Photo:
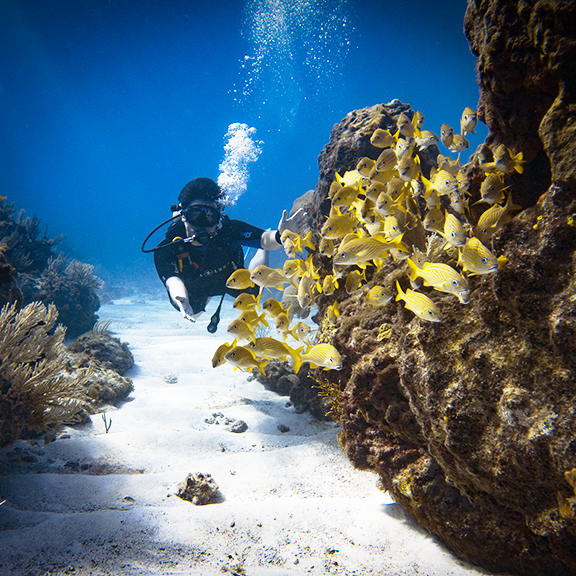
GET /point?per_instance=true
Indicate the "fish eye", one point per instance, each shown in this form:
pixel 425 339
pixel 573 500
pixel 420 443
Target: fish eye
pixel 455 282
pixel 453 234
pixel 342 254
pixel 484 260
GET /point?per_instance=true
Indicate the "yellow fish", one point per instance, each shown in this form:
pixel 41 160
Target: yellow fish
pixel 365 165
pixel 504 161
pixel 428 138
pixel 326 247
pixel 334 187
pixel 241 330
pixel 403 148
pixel 386 206
pixel 386 161
pixel 242 358
pixel 458 202
pixel 268 277
pixel 354 280
pixel 218 358
pixel 240 279
pixel 441 277
pixel 333 312
pixel 392 230
pixel 329 284
pixel 420 304
pixel 405 126
pixel 446 135
pixel 345 196
pixel 350 178
pixel 445 183
pixel 273 308
pixel 418 120
pixel 468 121
pixel 294 239
pixel 459 143
pixel 493 219
pixel 374 190
pixel 360 251
pixel 282 324
pixel 382 138
pixel 320 356
pixel 301 332
pixel 434 220
pixel 408 168
pixel 306 291
pixel 475 258
pixel 271 349
pixel 292 269
pixel 246 301
pixel 463 182
pixel 252 318
pixel 454 232
pixel 492 189
pixel 338 226
pixel 379 296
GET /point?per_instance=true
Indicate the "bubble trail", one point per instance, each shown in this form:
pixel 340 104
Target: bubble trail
pixel 239 151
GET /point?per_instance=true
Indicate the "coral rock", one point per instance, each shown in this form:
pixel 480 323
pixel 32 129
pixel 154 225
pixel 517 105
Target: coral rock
pixel 198 488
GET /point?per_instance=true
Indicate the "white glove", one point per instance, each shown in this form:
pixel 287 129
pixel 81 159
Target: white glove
pixel 294 223
pixel 185 309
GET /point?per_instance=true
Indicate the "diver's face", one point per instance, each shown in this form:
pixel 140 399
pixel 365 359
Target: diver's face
pixel 199 216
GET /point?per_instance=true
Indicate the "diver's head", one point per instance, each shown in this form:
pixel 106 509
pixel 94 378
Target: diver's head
pixel 201 209
pixel 201 189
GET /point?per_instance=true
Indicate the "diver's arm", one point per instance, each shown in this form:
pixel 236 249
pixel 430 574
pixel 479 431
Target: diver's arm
pixel 268 240
pixel 179 295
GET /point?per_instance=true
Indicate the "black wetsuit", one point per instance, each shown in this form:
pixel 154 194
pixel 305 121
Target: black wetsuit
pixel 205 269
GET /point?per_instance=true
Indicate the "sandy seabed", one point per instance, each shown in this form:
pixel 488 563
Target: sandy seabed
pixel 289 502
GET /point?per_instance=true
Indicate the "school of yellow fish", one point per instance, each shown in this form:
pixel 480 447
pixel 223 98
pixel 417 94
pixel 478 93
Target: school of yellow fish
pixel 383 209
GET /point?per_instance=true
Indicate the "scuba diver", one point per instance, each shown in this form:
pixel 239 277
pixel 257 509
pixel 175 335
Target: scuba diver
pixel 203 247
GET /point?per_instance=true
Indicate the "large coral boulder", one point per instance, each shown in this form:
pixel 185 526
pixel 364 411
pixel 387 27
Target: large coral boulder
pixel 471 423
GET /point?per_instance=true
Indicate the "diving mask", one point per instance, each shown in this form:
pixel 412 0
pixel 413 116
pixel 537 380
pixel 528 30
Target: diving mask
pixel 202 215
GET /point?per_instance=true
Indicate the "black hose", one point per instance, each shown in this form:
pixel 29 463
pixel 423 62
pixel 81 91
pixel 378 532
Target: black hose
pixel 213 326
pixel 157 228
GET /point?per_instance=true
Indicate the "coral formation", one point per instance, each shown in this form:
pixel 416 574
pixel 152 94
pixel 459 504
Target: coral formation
pixel 470 423
pixel 72 287
pixel 109 358
pixel 280 378
pixel 107 350
pixel 31 271
pixel 198 488
pixel 37 390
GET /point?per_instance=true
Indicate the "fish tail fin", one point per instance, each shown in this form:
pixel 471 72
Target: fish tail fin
pixel 262 319
pixel 307 241
pixel 261 365
pixel 295 354
pixel 400 295
pixel 413 269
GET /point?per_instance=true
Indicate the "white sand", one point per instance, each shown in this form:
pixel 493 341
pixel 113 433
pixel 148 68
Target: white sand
pixel 290 503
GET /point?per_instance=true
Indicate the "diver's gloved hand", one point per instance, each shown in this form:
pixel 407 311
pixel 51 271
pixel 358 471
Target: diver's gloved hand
pixel 294 223
pixel 185 309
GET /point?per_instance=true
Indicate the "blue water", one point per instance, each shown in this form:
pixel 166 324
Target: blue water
pixel 108 107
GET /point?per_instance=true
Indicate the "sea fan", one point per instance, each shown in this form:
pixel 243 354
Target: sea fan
pixel 36 389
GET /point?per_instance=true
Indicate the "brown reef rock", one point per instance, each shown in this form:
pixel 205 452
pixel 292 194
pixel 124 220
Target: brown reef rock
pixel 471 423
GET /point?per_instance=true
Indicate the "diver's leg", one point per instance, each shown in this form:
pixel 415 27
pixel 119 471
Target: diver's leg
pixel 261 257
